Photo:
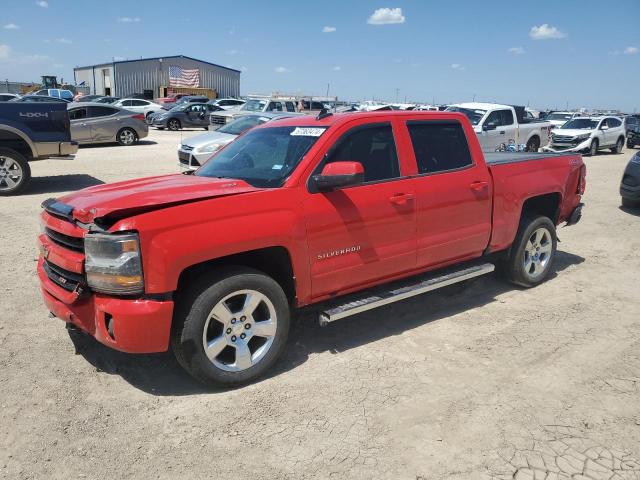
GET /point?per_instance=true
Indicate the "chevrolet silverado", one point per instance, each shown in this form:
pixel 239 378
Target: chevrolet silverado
pixel 344 212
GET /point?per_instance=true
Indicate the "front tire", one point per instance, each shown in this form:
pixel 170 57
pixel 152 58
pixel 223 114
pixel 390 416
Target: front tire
pixel 533 252
pixel 174 124
pixel 533 144
pixel 619 146
pixel 15 173
pixel 630 144
pixel 230 327
pixel 593 149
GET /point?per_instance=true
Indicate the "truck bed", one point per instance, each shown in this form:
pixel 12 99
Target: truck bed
pixel 500 158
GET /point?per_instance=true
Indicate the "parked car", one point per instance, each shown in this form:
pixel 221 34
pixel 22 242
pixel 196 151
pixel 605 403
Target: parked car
pixel 228 103
pixel 29 133
pixel 632 127
pixel 185 115
pixel 56 93
pixel 138 105
pixel 107 99
pixel 193 99
pixel 588 135
pixel 298 212
pixel 504 124
pixel 6 97
pixel 558 119
pixel 252 106
pixel 630 184
pixel 38 98
pixel 98 123
pixel 194 151
pixel 172 98
pixel 88 98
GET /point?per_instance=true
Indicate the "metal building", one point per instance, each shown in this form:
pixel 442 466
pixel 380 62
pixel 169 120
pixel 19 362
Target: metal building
pixel 150 76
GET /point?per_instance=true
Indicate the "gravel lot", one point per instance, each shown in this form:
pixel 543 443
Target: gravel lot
pixel 472 382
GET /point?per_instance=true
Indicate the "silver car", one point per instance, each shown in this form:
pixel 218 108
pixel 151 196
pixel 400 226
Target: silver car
pixel 196 150
pixel 99 123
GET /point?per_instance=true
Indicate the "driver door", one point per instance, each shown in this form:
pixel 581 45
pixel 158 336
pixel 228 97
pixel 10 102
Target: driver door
pixel 80 127
pixel 359 234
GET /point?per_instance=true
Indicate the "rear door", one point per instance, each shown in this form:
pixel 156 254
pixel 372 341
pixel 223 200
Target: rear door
pixel 104 123
pixel 453 194
pixel 364 233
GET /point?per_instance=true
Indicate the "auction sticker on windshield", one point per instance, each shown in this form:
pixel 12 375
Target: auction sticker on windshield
pixel 307 132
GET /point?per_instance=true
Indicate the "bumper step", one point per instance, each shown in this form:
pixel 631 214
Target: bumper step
pixel 400 291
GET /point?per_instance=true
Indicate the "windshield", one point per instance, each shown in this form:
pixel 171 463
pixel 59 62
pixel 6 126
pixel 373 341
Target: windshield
pixel 242 124
pixel 254 105
pixel 581 124
pixel 474 115
pixel 264 157
pixel 179 108
pixel 559 116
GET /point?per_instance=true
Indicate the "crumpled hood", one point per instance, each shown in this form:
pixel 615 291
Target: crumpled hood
pixel 121 199
pixel 572 132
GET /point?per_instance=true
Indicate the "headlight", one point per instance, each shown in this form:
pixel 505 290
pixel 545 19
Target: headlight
pixel 112 263
pixel 212 147
pixel 582 138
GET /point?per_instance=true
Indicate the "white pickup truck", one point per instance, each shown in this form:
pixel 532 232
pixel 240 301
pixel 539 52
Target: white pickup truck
pixel 503 124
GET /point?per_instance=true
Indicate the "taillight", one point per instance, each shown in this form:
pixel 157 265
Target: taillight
pixel 582 180
pixel 139 116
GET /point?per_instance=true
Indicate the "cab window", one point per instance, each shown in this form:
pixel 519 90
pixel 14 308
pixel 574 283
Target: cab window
pixel 374 147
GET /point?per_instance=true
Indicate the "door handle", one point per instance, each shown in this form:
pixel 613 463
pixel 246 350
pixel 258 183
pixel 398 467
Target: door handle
pixel 401 198
pixel 501 132
pixel 83 124
pixel 479 186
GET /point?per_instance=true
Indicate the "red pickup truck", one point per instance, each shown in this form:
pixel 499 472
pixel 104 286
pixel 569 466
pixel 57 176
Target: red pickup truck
pixel 347 212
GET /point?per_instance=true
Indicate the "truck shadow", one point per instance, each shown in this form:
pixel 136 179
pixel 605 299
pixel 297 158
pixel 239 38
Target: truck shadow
pixel 61 183
pixel 160 374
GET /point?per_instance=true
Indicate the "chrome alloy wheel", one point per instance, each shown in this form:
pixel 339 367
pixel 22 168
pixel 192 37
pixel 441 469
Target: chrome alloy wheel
pixel 537 253
pixel 127 137
pixel 240 330
pixel 10 173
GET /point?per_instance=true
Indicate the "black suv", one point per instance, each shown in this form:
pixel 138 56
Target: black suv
pixel 632 125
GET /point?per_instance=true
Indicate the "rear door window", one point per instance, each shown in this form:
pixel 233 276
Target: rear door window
pixel 507 117
pixel 439 147
pixel 614 122
pixel 290 106
pixel 101 111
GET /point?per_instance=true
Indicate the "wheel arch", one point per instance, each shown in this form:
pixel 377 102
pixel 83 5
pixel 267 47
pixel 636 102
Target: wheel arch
pixel 11 137
pixel 273 261
pixel 547 204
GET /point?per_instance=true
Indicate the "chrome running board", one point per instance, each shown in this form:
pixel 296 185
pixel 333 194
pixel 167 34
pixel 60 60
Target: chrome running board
pixel 402 292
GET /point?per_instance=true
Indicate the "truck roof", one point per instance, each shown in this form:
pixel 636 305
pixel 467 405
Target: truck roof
pixel 481 105
pixel 340 118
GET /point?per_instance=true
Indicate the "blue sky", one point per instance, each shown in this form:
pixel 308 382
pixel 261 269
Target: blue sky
pixel 544 53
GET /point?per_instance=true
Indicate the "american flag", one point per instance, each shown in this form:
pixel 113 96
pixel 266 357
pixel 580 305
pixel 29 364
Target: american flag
pixel 180 77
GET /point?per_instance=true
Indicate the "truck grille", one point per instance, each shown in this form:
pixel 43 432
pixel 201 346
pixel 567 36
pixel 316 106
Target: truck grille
pixel 64 278
pixel 72 243
pixel 217 119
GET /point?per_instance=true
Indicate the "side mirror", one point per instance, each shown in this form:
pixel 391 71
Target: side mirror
pixel 339 175
pixel 604 127
pixel 489 126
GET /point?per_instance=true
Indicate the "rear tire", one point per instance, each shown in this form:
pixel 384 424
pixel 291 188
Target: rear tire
pixel 533 144
pixel 628 203
pixel 593 149
pixel 230 327
pixel 15 172
pixel 619 146
pixel 174 124
pixel 126 136
pixel 533 252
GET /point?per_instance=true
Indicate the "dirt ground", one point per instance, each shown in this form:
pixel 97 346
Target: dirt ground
pixel 474 382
